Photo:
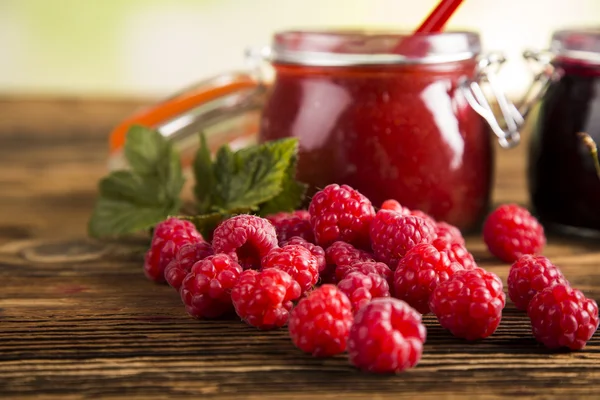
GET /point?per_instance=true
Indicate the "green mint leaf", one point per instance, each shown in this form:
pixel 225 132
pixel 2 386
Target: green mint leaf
pixel 116 217
pixel 204 175
pixel 138 198
pixel 258 175
pixel 290 198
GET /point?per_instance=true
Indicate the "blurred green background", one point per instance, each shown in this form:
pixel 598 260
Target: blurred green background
pixel 140 48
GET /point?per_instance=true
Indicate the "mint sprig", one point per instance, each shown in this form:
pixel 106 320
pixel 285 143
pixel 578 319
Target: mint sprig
pixel 257 179
pixel 138 198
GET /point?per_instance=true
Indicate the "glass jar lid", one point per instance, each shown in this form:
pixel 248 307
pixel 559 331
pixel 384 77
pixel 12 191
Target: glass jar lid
pixel 577 44
pixel 354 47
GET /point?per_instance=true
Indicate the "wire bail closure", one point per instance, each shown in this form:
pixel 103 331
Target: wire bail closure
pixel 507 130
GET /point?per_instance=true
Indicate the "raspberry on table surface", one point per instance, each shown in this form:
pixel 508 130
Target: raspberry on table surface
pixel 169 236
pixel 186 257
pixel 290 224
pixel 316 251
pixel 341 255
pixel 393 235
pixel 387 335
pixel 456 252
pixel 249 236
pixel 449 233
pixel 362 288
pixel 421 270
pixel 469 304
pixel 529 275
pixel 562 317
pixel 206 290
pixel 365 267
pixel 297 261
pixel 264 299
pixel 341 213
pixel 321 321
pixel 510 232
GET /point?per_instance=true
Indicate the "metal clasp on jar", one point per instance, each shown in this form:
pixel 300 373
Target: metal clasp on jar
pixel 507 129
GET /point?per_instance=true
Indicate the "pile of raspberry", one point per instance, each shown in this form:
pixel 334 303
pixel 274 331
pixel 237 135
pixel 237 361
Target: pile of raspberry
pixel 344 277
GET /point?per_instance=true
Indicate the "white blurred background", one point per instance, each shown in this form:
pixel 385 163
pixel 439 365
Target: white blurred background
pixel 141 48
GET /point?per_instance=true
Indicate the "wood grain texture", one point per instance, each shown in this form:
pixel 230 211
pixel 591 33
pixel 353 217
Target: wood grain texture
pixel 79 320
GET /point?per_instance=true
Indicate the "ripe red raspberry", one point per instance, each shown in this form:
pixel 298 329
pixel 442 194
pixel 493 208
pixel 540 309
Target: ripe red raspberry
pixel 315 250
pixel 186 257
pixel 392 235
pixel 424 215
pixel 449 233
pixel 393 205
pixel 264 299
pixel 341 213
pixel 469 304
pixel 249 236
pixel 419 272
pixel 511 231
pixel 387 336
pixel 169 236
pixel 292 224
pixel 297 261
pixel 365 267
pixel 206 290
pixel 456 253
pixel 529 275
pixel 361 288
pixel 563 317
pixel 341 254
pixel 320 323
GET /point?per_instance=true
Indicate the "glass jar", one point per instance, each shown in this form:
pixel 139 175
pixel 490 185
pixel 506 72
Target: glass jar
pixel 563 181
pixel 392 115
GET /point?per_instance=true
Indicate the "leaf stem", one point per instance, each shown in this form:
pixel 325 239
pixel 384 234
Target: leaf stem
pixel 593 149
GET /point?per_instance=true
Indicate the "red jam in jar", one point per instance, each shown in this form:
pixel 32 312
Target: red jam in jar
pixel 390 125
pixel 563 181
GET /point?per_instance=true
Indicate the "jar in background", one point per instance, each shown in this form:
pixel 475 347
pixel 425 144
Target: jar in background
pixel 563 183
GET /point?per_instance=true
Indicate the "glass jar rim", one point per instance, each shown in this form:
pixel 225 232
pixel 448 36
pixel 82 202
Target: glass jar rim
pixel 349 47
pixel 577 44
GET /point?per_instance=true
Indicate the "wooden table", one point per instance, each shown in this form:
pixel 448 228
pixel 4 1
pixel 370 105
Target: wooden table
pixel 78 319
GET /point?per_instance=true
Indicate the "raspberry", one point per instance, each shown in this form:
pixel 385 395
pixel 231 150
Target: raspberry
pixel 563 317
pixel 297 261
pixel 421 214
pixel 387 336
pixel 292 224
pixel 320 323
pixel 341 254
pixel 264 299
pixel 186 257
pixel 341 213
pixel 315 250
pixel 529 275
pixel 206 290
pixel 511 231
pixel 361 288
pixel 365 267
pixel 456 253
pixel 418 274
pixel 469 304
pixel 392 235
pixel 249 236
pixel 449 233
pixel 393 205
pixel 169 236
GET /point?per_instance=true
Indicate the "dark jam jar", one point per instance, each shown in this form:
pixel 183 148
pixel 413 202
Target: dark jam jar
pixel 392 126
pixel 563 182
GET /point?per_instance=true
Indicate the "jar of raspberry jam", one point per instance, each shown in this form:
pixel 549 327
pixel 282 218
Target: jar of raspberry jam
pixel 394 116
pixel 564 183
